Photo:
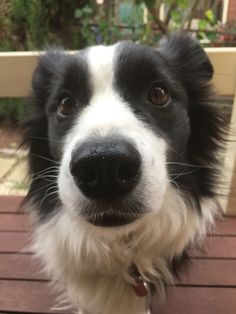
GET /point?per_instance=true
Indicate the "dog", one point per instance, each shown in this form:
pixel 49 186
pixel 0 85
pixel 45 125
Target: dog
pixel 124 159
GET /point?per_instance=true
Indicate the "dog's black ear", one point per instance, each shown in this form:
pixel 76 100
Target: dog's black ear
pixel 35 125
pixel 209 127
pixel 42 85
pixel 188 59
pixel 48 67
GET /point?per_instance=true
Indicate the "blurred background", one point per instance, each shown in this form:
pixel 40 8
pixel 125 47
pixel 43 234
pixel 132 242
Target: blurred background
pixel 74 24
pixel 32 25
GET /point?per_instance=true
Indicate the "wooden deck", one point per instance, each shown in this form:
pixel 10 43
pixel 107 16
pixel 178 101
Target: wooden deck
pixel 209 287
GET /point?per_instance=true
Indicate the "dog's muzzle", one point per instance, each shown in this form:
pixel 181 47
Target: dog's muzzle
pixel 106 171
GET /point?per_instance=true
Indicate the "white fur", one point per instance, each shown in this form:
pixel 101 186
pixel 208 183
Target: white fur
pixel 92 262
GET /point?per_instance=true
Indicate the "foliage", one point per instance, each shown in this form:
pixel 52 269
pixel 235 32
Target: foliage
pixel 98 26
pixel 102 30
pixel 208 22
pixel 179 15
pixel 13 109
pixel 27 25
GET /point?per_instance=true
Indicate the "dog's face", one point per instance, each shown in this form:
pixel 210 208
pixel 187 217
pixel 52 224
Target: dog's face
pixel 118 124
pixel 123 156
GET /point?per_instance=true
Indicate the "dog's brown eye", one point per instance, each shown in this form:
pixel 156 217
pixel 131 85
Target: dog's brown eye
pixel 158 96
pixel 66 106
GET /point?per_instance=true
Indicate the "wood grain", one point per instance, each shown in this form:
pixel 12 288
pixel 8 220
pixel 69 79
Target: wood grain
pixel 192 300
pixel 12 222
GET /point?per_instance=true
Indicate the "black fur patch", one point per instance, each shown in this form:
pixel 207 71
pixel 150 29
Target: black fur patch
pixel 208 125
pixel 191 123
pixel 56 73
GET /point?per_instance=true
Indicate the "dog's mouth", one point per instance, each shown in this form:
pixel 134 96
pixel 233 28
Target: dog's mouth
pixel 111 219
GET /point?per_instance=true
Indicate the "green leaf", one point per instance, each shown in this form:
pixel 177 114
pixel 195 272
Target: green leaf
pixel 78 13
pixel 87 10
pixel 149 3
pixel 202 24
pixel 201 35
pixel 210 16
pixel 176 16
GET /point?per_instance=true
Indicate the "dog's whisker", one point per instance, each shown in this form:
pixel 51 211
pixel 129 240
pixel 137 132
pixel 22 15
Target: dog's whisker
pixel 46 139
pixel 45 173
pixel 43 187
pixel 53 200
pixel 187 165
pixel 57 203
pixel 178 175
pixel 52 168
pixel 45 158
pixel 176 184
pixel 46 177
pixel 48 194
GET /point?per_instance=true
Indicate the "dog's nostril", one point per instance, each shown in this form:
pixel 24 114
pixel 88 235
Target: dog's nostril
pixel 128 172
pixel 87 175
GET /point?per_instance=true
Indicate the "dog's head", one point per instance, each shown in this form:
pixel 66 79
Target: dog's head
pixel 123 140
pixel 114 130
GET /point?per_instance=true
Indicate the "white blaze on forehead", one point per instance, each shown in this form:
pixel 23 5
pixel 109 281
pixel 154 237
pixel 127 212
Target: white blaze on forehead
pixel 101 63
pixel 107 111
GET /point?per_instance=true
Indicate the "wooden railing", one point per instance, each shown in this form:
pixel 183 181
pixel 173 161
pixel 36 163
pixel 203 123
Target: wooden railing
pixel 16 71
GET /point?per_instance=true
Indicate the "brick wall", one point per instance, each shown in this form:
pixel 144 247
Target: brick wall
pixel 232 10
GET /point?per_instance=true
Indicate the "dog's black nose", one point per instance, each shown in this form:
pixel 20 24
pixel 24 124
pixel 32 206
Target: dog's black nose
pixel 106 169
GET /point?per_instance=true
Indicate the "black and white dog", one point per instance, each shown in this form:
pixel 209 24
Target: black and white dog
pixel 123 147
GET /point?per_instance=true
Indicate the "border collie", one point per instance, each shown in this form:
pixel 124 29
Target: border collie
pixel 124 158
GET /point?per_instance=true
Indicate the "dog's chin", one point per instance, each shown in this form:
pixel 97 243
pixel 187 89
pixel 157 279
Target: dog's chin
pixel 111 219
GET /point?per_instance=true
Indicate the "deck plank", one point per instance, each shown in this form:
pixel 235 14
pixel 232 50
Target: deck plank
pixel 214 247
pixel 10 204
pixel 218 247
pixel 194 300
pixel 202 272
pixel 226 226
pixel 15 242
pixel 26 297
pixel 13 222
pixel 21 266
pixel 181 300
pixel 210 272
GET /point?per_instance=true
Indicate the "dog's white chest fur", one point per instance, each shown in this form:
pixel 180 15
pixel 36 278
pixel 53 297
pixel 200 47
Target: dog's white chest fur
pixel 94 264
